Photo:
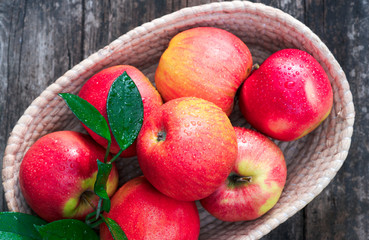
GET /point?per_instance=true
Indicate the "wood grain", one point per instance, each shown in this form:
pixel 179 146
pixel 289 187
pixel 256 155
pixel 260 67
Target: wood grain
pixel 40 40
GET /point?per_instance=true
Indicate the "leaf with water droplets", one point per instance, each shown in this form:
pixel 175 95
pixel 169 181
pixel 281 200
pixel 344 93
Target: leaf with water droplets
pixel 87 114
pixel 125 110
pixel 15 225
pixel 115 230
pixel 67 229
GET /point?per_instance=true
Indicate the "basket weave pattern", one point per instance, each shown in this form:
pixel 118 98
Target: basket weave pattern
pixel 312 161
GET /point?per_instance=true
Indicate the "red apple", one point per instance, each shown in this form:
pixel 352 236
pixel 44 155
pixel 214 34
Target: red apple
pixel 256 182
pixel 96 90
pixel 204 62
pixel 187 148
pixel 145 213
pixel 288 96
pixel 58 173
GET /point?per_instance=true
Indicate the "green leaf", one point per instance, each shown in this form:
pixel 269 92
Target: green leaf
pixel 13 236
pixel 67 229
pixel 20 225
pixel 114 228
pixel 106 205
pixel 87 114
pixel 125 110
pixel 103 173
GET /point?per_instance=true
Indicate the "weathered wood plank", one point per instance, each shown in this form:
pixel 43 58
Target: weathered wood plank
pixel 42 40
pixel 5 23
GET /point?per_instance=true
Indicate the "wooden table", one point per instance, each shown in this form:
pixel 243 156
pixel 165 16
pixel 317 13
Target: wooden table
pixel 41 40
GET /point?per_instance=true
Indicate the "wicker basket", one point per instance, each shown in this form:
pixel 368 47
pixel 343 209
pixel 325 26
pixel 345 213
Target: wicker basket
pixel 312 161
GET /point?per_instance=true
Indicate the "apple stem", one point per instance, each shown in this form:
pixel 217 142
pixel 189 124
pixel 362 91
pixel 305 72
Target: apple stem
pixel 161 136
pixel 244 179
pixel 235 180
pixel 84 198
pixel 255 66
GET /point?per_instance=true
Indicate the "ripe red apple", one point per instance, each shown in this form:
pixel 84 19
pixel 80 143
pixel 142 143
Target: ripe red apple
pixel 288 96
pixel 256 182
pixel 187 148
pixel 204 62
pixel 58 173
pixel 145 213
pixel 96 90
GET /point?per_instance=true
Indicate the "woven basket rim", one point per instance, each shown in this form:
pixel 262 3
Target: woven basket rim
pixel 102 58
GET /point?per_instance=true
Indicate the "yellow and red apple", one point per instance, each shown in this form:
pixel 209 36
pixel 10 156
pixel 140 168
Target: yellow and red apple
pixel 145 213
pixel 204 62
pixel 186 148
pixel 288 96
pixel 255 183
pixel 96 90
pixel 58 173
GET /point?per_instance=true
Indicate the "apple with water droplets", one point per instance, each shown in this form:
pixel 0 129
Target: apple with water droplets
pixel 96 90
pixel 255 183
pixel 186 148
pixel 204 62
pixel 145 213
pixel 58 173
pixel 288 96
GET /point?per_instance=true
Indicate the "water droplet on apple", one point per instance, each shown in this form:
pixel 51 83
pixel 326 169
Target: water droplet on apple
pixel 188 133
pixel 289 84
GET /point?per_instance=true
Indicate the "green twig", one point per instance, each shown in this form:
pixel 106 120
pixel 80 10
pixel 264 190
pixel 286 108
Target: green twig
pixel 107 152
pixel 116 156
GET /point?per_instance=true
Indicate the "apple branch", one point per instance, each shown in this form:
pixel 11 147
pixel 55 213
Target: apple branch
pixel 124 108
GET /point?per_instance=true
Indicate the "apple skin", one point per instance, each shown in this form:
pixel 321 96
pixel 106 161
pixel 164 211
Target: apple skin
pixel 288 96
pixel 96 90
pixel 145 213
pixel 58 173
pixel 204 62
pixel 187 148
pixel 256 182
